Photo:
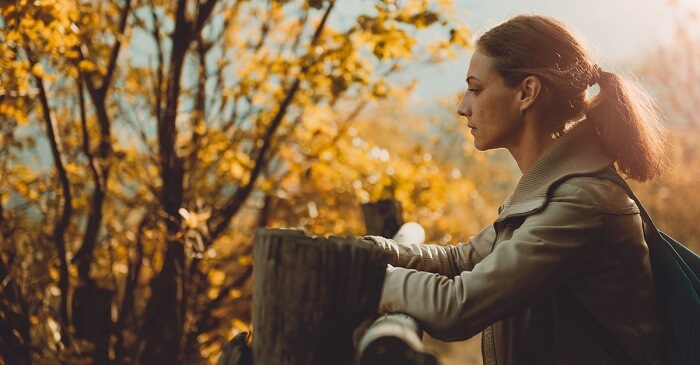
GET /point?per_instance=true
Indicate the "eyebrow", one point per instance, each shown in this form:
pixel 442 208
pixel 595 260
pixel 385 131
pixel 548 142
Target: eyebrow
pixel 472 77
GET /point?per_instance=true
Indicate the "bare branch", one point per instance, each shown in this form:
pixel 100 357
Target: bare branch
pixel 203 14
pixel 158 87
pixel 115 49
pixel 86 137
pixel 224 215
pixel 63 219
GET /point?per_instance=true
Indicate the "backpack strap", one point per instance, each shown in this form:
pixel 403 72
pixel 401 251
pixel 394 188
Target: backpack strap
pixel 600 334
pixel 612 175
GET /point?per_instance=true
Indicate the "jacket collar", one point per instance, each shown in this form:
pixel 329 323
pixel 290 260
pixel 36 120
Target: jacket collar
pixel 577 153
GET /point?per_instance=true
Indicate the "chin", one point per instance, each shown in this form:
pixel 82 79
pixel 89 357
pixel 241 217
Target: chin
pixel 480 146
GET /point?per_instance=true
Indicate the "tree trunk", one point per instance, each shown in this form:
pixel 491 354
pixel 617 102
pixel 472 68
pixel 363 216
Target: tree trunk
pixel 309 295
pixel 92 320
pixel 14 322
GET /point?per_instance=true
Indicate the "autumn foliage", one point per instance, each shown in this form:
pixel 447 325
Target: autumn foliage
pixel 144 140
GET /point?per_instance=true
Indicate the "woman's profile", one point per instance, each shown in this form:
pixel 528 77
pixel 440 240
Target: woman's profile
pixel 563 233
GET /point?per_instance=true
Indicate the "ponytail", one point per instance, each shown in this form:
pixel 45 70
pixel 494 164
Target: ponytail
pixel 630 127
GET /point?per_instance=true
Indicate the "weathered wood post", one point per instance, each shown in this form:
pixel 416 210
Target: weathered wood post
pixel 309 294
pixel 383 217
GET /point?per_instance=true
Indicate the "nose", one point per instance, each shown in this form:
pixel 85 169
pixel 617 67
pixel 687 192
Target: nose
pixel 464 109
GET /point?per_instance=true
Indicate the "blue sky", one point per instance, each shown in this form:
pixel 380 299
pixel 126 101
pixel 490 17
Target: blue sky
pixel 617 32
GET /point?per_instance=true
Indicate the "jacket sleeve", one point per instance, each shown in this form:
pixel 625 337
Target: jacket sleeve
pixel 540 256
pixel 447 260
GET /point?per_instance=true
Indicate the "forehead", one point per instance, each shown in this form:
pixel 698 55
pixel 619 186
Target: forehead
pixel 481 66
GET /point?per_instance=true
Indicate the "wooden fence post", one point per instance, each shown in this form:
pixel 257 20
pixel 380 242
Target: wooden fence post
pixel 309 295
pixel 383 217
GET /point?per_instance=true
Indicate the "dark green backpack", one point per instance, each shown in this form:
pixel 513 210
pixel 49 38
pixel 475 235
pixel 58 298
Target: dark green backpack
pixel 676 274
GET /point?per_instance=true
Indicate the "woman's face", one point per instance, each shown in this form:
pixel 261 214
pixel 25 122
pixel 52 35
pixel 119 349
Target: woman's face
pixel 491 107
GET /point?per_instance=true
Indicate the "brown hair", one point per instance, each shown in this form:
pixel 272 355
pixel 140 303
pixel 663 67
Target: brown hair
pixel 626 118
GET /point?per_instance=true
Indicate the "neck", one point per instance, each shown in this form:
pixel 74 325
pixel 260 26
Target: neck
pixel 533 142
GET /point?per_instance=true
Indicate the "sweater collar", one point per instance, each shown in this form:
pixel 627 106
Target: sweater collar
pixel 577 153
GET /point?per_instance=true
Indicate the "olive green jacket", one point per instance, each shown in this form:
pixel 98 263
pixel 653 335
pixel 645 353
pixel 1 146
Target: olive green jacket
pixel 560 230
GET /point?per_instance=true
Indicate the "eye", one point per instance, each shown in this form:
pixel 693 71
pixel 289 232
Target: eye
pixel 474 91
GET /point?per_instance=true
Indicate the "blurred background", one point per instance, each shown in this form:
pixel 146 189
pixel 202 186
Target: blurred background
pixel 142 142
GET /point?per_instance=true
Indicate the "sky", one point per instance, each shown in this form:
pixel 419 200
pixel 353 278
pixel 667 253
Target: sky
pixel 617 32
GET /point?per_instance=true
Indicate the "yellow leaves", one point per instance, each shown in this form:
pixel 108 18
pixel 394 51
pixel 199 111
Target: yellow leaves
pixel 34 320
pixel 393 43
pixel 460 36
pixel 442 50
pixel 213 292
pixel 53 273
pixel 15 112
pixel 235 293
pixel 48 25
pixel 239 326
pixel 245 260
pixel 211 350
pixel 237 171
pixel 73 168
pixel 120 267
pixel 55 329
pixel 72 54
pixel 317 175
pixel 236 164
pixel 200 128
pixel 89 66
pixel 319 119
pixel 216 277
pixel 33 195
pixel 380 88
pixel 38 70
pixel 194 220
pixel 421 19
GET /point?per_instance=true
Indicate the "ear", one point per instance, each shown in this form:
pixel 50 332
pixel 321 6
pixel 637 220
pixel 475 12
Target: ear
pixel 529 91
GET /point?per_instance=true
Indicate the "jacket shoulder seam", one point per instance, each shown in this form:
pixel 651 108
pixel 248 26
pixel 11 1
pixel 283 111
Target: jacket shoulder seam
pixel 588 193
pixel 605 208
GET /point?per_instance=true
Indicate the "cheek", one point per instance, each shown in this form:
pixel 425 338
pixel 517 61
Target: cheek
pixel 485 109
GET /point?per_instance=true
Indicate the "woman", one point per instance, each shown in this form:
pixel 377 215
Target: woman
pixel 562 233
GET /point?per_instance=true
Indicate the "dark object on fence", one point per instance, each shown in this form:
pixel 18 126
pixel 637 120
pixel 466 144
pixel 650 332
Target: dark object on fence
pixel 383 217
pixel 236 351
pixel 91 312
pixel 309 295
pixel 394 339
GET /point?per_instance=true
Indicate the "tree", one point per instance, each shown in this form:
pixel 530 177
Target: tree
pixel 175 128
